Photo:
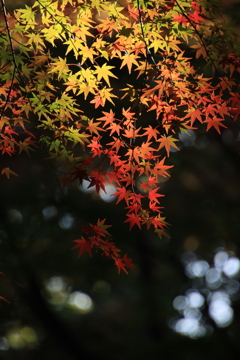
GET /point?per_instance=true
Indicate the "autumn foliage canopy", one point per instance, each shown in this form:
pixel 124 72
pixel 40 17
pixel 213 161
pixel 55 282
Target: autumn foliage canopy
pixel 62 66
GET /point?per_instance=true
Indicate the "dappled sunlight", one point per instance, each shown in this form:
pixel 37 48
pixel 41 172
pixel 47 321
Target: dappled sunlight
pixel 57 291
pixel 216 288
pixel 49 212
pixel 187 137
pixel 60 295
pixel 231 267
pixel 107 194
pixel 80 301
pixel 220 309
pixel 66 222
pixel 19 338
pixel 4 345
pixel 85 187
pixel 15 216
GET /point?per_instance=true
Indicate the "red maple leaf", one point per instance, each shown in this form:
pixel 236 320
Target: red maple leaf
pixel 153 207
pixel 215 122
pixel 181 19
pixel 153 195
pixel 83 245
pixel 108 118
pixel 122 193
pixel 124 262
pixel 120 265
pixel 157 223
pixel 98 101
pixel 114 128
pixel 134 220
pixel 195 114
pixel 97 179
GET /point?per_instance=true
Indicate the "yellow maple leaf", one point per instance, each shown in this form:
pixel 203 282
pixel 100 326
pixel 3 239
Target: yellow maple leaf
pixel 59 66
pixel 106 94
pixel 103 72
pixel 129 60
pixel 87 53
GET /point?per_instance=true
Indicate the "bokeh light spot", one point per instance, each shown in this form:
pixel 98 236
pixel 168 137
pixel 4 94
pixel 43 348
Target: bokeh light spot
pixel 49 212
pixel 231 267
pixel 220 310
pixel 107 196
pixel 195 299
pixel 187 138
pixel 213 278
pixel 55 284
pixel 220 258
pixel 197 268
pixel 180 302
pixel 80 301
pixel 66 221
pixel 15 216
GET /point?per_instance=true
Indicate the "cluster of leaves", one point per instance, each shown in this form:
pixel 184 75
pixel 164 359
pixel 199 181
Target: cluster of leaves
pixel 98 237
pixel 47 98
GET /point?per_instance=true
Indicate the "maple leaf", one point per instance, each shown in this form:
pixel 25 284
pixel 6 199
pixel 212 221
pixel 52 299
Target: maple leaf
pixel 87 53
pixel 74 135
pixel 150 132
pixel 129 60
pixel 215 122
pixel 156 222
pixel 181 19
pixel 97 179
pixel 8 172
pixel 146 149
pixel 3 298
pixel 115 128
pixel 195 17
pixel 80 174
pixel 96 146
pixel 103 72
pixel 160 168
pixel 59 66
pixel 128 262
pixel 83 246
pixel 132 133
pixel 101 225
pixel 167 142
pixel 153 195
pixel 148 184
pixel 25 146
pixel 9 131
pixel 108 118
pixel 98 101
pixel 153 206
pixel 122 263
pixel 127 114
pixel 195 114
pixel 122 193
pixel 106 94
pixel 116 144
pixel 134 220
pixel 93 127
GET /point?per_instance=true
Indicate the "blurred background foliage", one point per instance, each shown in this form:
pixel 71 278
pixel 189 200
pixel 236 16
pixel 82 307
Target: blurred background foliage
pixel 182 299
